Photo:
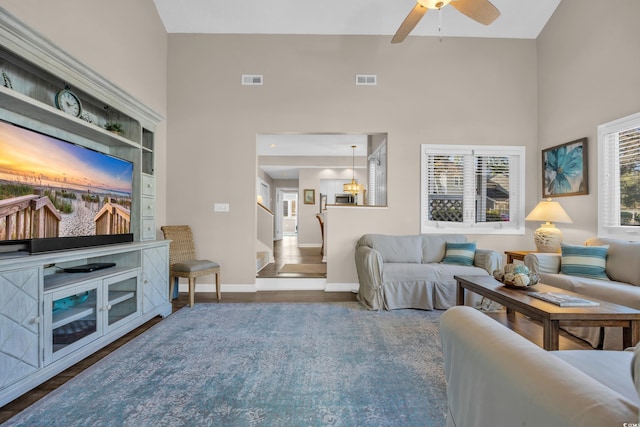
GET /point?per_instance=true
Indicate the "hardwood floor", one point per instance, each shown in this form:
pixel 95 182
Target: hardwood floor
pixel 532 331
pixel 286 251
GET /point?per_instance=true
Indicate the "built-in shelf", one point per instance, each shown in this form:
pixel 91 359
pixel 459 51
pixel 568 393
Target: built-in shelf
pixel 118 300
pixel 17 105
pixel 137 288
pixel 72 314
pixel 54 281
pixel 116 297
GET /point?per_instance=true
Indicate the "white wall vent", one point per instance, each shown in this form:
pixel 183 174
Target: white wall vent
pixel 252 79
pixel 366 79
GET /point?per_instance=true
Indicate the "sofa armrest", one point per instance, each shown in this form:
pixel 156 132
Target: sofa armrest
pixel 496 377
pixel 369 268
pixel 488 259
pixel 543 262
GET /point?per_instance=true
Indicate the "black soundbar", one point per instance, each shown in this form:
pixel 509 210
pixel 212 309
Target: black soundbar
pixel 63 243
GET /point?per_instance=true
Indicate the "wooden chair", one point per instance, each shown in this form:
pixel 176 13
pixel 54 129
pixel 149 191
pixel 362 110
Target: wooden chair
pixel 183 261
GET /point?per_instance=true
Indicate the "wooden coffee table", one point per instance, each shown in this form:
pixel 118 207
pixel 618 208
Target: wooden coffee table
pixel 551 315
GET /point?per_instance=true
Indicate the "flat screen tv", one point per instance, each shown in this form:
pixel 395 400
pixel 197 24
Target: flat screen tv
pixel 56 195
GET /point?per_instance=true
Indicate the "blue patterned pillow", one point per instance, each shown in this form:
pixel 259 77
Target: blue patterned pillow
pixel 460 253
pixel 584 261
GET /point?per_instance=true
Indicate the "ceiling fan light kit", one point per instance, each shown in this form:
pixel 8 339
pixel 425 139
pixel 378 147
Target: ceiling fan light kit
pixel 434 4
pixel 482 11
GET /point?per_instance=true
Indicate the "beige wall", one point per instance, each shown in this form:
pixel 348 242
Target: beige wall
pixel 458 91
pixel 588 74
pixel 122 40
pixel 308 226
pixel 582 71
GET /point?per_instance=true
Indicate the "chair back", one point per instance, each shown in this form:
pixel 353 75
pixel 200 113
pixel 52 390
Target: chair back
pixel 182 248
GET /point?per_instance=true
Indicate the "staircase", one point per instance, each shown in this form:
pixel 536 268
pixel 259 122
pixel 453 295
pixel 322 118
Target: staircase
pixel 262 259
pixel 264 238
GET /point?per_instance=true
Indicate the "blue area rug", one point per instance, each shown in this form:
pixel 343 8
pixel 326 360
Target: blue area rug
pixel 262 365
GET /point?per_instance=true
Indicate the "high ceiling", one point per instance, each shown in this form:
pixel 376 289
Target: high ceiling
pixel 523 19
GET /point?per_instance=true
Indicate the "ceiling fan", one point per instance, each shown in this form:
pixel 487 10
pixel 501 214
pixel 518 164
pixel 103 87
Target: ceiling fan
pixel 481 11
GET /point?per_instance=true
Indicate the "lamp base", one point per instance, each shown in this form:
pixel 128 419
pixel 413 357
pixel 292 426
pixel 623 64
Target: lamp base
pixel 548 238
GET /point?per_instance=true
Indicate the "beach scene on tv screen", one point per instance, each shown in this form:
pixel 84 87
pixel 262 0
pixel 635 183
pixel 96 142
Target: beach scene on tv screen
pixel 52 188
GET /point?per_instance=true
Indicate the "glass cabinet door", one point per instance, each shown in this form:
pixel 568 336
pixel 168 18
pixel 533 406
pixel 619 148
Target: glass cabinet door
pixel 122 298
pixel 71 318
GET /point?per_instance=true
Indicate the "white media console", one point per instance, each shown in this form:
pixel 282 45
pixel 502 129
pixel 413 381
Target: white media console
pixel 51 319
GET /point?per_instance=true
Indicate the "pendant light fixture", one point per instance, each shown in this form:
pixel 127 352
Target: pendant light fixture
pixel 353 187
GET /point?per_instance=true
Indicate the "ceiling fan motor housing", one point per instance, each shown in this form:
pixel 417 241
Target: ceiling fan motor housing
pixel 434 4
pixel 481 11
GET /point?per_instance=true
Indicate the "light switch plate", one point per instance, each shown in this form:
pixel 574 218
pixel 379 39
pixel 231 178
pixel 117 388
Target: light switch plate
pixel 221 207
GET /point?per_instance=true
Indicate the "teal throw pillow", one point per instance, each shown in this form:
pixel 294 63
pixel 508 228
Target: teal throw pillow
pixel 459 253
pixel 584 261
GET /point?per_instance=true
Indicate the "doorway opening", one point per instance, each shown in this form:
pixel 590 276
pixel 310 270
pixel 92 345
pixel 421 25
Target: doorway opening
pixel 291 260
pixel 286 218
pixel 308 163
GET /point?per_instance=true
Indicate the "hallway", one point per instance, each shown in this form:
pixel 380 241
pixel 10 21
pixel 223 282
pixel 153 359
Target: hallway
pixel 286 251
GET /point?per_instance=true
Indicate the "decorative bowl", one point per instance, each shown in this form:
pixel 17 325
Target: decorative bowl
pixel 516 276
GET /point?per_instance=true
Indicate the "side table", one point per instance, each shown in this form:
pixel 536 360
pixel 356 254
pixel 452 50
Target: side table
pixel 516 255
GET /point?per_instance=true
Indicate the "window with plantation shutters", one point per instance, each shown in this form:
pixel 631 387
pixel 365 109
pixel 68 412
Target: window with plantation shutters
pixel 619 178
pixel 469 189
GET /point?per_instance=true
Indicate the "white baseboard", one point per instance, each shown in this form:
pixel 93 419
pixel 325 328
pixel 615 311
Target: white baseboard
pixel 211 287
pixel 309 245
pixel 291 284
pixel 275 284
pixel 342 287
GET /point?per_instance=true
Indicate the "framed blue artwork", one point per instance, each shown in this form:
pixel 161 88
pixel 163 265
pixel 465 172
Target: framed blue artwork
pixel 564 169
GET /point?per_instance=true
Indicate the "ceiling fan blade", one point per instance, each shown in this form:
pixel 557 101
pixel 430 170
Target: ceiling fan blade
pixel 409 23
pixel 481 11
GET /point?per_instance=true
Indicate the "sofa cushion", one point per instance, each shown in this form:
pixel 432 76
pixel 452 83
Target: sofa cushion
pixel 434 245
pixel 584 261
pixel 610 368
pixel 423 286
pixel 459 253
pixel 622 259
pixel 406 249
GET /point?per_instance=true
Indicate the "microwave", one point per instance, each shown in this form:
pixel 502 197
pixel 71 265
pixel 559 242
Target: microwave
pixel 345 199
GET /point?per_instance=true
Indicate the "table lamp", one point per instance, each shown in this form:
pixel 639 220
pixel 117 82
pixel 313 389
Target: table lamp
pixel 548 237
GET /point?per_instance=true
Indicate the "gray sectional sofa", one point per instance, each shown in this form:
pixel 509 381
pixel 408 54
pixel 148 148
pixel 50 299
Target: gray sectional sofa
pixel 496 377
pixel 623 287
pixel 406 271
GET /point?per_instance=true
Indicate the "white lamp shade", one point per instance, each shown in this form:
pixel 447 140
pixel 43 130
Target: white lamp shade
pixel 549 211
